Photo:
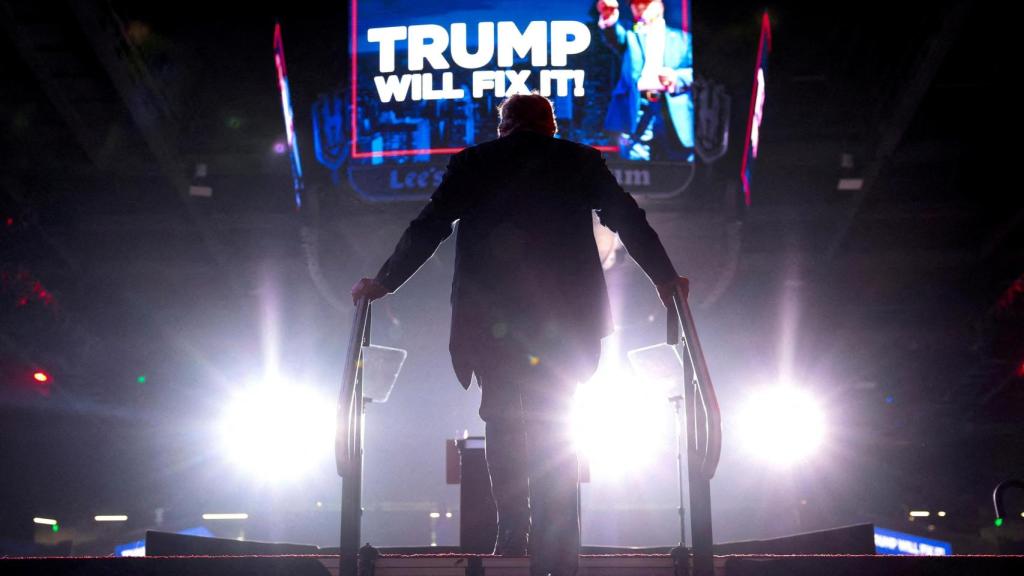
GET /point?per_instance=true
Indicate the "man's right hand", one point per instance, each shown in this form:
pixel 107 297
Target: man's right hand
pixel 368 288
pixel 668 289
pixel 607 8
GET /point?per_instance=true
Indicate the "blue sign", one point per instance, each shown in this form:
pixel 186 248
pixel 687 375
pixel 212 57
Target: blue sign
pixel 136 548
pixel 899 543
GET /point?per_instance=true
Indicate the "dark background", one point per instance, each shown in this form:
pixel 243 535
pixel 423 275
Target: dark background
pixel 899 304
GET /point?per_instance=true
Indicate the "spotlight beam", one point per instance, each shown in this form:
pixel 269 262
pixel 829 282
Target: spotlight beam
pixel 782 425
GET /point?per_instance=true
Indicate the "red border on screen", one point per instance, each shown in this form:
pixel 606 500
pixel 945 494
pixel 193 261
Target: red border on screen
pixel 765 40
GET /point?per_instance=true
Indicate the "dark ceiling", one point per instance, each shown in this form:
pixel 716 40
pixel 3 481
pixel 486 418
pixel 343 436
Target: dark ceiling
pixel 906 287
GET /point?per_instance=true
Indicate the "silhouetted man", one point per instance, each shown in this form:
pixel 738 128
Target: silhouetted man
pixel 529 308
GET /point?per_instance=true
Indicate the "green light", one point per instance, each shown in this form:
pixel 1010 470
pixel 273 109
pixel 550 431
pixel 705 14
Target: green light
pixel 234 122
pixel 999 522
pixel 141 379
pixel 55 527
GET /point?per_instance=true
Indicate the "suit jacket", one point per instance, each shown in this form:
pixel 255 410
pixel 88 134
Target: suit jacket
pixel 528 284
pixel 622 110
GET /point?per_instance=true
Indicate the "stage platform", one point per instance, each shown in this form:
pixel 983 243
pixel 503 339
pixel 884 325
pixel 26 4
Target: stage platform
pixel 731 565
pixel 482 565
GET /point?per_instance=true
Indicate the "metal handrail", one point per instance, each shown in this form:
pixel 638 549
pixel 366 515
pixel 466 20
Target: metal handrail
pixel 703 425
pixel 348 439
pixel 704 433
pixel 347 424
pixel 711 446
pixel 997 496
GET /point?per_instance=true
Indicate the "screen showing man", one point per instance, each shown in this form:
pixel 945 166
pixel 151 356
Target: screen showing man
pixel 427 80
pixel 423 82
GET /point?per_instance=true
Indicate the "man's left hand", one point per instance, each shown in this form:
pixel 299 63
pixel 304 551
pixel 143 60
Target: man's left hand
pixel 667 289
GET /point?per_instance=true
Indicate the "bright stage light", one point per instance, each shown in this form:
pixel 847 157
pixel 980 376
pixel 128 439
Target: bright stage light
pixel 278 431
pixel 620 423
pixel 781 425
pixel 226 516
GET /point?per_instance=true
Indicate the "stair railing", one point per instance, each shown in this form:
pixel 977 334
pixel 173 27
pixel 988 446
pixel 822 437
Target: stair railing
pixel 348 439
pixel 703 429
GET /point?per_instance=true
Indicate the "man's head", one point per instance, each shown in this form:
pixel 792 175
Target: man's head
pixel 647 11
pixel 531 112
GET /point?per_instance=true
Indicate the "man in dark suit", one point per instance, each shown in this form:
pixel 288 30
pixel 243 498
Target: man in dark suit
pixel 529 308
pixel 651 107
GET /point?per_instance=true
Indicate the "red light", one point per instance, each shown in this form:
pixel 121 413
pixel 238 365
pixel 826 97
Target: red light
pixel 40 376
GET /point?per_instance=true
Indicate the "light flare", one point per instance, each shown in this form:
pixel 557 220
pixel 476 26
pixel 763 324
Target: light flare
pixel 781 425
pixel 278 431
pixel 620 423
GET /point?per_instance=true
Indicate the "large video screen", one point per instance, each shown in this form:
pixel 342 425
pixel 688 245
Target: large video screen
pixel 427 78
